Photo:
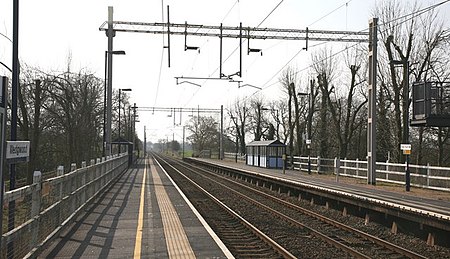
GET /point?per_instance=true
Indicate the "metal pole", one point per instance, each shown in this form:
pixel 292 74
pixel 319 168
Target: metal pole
pixel 145 142
pixel 183 141
pixel 371 121
pixel 240 49
pixel 220 57
pixel 3 107
pixel 134 124
pixel 104 105
pixel 221 133
pixel 118 152
pixel 129 123
pixel 110 33
pixel 308 145
pixel 15 88
pixel 168 36
pixel 406 120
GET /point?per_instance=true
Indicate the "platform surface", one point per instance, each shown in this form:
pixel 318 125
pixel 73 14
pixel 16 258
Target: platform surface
pixel 132 220
pixel 436 201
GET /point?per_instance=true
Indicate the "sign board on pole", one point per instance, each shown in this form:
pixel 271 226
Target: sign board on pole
pixel 17 151
pixel 406 148
pixel 308 142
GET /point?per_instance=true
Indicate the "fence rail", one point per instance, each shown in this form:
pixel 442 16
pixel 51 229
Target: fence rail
pixel 234 156
pixel 422 176
pixel 44 207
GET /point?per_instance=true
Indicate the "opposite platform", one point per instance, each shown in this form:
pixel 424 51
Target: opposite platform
pixel 429 200
pixel 136 220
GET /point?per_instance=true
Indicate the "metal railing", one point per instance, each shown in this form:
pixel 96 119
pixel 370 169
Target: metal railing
pixel 422 176
pixel 43 208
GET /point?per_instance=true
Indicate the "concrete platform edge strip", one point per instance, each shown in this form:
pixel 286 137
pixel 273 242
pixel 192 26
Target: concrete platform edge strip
pixel 216 239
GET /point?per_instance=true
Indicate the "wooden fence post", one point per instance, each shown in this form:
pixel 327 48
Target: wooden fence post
pixel 73 167
pixel 337 165
pixel 357 166
pixel 59 172
pixel 387 169
pixel 318 165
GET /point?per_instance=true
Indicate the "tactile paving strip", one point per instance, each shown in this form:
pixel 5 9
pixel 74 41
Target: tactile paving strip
pixel 178 245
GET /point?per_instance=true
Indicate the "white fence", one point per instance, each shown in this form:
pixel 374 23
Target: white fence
pixel 423 176
pixel 234 156
pixel 44 207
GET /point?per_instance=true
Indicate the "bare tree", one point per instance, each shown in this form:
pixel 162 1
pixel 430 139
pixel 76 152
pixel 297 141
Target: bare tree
pixel 239 116
pixel 325 69
pixel 258 121
pixel 204 133
pixel 32 119
pixel 287 79
pixel 417 45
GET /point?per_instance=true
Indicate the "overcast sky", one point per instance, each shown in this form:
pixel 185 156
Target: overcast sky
pixel 51 29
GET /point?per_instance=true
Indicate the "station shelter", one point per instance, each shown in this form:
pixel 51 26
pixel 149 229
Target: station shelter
pixel 268 153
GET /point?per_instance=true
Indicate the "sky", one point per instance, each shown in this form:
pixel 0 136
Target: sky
pixel 52 30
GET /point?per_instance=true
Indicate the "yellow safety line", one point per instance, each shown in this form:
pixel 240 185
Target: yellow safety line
pixel 177 243
pixel 140 226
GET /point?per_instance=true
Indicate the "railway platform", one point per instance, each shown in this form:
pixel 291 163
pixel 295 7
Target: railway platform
pixel 142 215
pixel 415 196
pixel 422 211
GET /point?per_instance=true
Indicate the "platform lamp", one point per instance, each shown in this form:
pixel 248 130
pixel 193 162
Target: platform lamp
pixel 120 100
pixel 115 52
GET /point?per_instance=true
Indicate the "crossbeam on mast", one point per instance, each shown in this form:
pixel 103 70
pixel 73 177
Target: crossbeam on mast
pixel 184 29
pixel 183 110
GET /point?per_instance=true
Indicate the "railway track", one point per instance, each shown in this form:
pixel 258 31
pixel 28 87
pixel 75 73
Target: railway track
pixel 241 238
pixel 353 242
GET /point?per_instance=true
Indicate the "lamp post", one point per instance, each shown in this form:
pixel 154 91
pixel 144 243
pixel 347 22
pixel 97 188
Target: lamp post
pixel 107 134
pixel 405 137
pixel 308 130
pixel 134 107
pixel 120 100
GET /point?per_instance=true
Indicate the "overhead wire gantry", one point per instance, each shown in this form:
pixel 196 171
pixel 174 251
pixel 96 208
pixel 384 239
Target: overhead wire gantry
pixel 255 33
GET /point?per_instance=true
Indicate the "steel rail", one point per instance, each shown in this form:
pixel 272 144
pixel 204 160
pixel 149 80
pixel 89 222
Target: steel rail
pixel 266 239
pixel 366 236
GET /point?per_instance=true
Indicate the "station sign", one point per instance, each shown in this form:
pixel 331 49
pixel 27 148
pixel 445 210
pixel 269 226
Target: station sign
pixel 17 151
pixel 406 148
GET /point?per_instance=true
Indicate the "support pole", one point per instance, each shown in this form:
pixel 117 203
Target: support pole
pixel 145 142
pixel 221 133
pixel 220 47
pixel 120 142
pixel 240 49
pixel 406 121
pixel 168 36
pixel 183 141
pixel 110 34
pixel 134 126
pixel 371 121
pixel 15 89
pixel 3 112
pixel 104 105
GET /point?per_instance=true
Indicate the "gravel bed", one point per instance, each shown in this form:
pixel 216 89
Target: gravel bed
pixel 297 241
pixel 412 243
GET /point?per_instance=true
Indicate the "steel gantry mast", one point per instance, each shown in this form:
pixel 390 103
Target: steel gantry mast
pixel 255 33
